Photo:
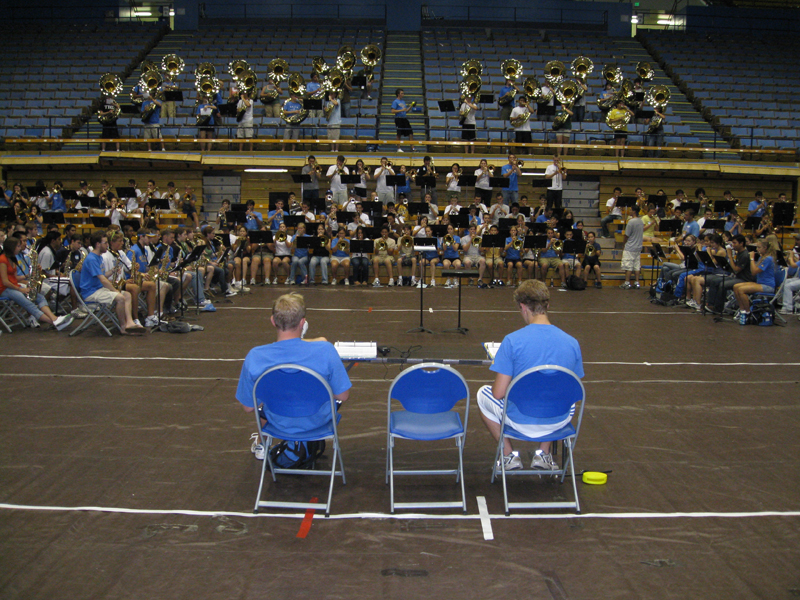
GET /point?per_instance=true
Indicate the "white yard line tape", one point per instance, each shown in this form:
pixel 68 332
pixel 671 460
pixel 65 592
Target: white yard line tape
pixel 486 521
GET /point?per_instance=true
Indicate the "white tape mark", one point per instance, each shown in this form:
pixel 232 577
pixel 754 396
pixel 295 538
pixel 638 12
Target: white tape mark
pixel 486 521
pixel 378 515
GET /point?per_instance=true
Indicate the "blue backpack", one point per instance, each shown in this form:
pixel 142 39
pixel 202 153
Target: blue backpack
pixel 296 455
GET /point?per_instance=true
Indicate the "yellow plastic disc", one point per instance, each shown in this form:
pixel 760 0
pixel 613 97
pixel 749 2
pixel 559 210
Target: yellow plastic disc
pixel 594 478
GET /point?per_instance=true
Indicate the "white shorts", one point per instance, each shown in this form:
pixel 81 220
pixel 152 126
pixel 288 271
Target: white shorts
pixel 492 408
pixel 631 261
pixel 103 296
pixel 244 131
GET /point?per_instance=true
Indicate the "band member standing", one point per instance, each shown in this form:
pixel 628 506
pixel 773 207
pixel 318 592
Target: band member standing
pixel 556 173
pixel 520 120
pixel 399 110
pixel 512 172
pixel 506 99
pixel 272 107
pixel 467 110
pixel 385 192
pixel 338 188
pixel 310 190
pixel 110 129
pixel 333 113
pixel 427 170
pixel 207 115
pixel 152 123
pixel 244 114
pixel 291 107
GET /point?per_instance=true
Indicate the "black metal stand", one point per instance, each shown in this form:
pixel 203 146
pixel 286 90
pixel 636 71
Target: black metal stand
pixel 459 274
pixel 421 327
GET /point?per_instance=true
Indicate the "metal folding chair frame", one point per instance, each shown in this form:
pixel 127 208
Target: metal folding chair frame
pixel 95 312
pixel 266 438
pixel 568 442
pixel 460 440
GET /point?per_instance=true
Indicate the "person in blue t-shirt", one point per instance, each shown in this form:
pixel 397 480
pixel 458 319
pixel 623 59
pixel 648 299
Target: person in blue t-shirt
pixel 292 107
pixel 764 270
pixel 512 172
pixel 513 256
pixel 275 217
pixel 255 220
pixel 319 355
pixel 506 99
pixel 399 110
pixel 757 207
pixel 94 286
pixel 690 226
pixel 152 122
pixel 538 343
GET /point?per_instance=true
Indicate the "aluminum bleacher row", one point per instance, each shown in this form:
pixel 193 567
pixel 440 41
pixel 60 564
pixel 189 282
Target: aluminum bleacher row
pixel 752 93
pixel 48 85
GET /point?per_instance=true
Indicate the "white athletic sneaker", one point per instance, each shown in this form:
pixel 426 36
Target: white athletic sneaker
pixel 333 281
pixel 347 281
pixel 391 282
pixel 151 321
pixel 543 462
pixel 512 462
pixel 32 322
pixel 256 447
pixel 433 283
pixel 376 283
pixel 138 323
pixel 447 283
pixel 274 281
pixel 231 292
pixel 63 322
pixel 253 281
pixel 413 281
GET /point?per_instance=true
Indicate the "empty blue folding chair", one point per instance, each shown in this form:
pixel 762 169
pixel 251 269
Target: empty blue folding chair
pixel 539 396
pixel 299 406
pixel 428 392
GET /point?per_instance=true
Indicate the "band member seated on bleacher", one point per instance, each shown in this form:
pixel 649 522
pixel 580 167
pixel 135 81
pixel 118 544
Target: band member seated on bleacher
pixel 472 254
pixel 300 257
pixel 614 213
pixel 117 269
pixel 591 264
pixel 360 261
pixel 548 259
pixel 142 254
pixel 254 219
pixel 696 283
pixel 449 251
pixel 764 271
pixel 384 254
pixel 650 223
pixel 429 258
pixel 513 256
pixel 406 257
pixel 282 260
pixel 17 291
pixel 275 217
pixel 321 256
pixel 757 207
pixel 569 261
pixel 340 257
pixel 95 286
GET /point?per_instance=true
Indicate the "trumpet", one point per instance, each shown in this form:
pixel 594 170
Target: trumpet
pixel 517 243
pixel 448 240
pixel 280 237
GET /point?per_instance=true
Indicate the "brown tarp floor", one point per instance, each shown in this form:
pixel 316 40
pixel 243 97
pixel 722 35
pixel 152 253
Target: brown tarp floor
pixel 159 433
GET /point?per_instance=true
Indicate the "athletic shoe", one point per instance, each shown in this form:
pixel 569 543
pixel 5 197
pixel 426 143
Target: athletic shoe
pixel 231 292
pixel 256 447
pixel 625 286
pixel 743 317
pixel 564 286
pixel 62 322
pixel 692 304
pixel 482 286
pixel 433 283
pixel 346 281
pixel 209 308
pixel 786 311
pixel 512 462
pixel 413 281
pixel 235 283
pixel 79 313
pixel 151 321
pixel 447 283
pixel 333 281
pixel 419 284
pixel 637 286
pixel 32 322
pixel 598 285
pixel 274 281
pixel 391 282
pixel 500 283
pixel 137 322
pixel 376 283
pixel 543 462
pixel 244 289
pixel 253 281
pixel 205 303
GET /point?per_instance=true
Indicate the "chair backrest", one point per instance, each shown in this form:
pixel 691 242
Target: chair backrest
pixel 545 394
pixel 291 391
pixel 429 388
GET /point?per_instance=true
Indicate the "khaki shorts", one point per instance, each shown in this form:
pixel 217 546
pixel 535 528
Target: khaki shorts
pixel 103 296
pixel 334 132
pixel 631 261
pixel 152 132
pixel 168 110
pixel 244 131
pixel 549 263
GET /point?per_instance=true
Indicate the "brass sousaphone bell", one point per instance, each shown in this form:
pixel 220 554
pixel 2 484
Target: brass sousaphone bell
pixel 532 89
pixel 657 97
pixel 172 65
pixel 471 67
pixel 277 71
pixel 370 55
pixel 110 85
pixel 205 69
pixel 567 93
pixel 554 72
pixel 237 67
pixel 645 71
pixel 512 69
pixel 582 67
pixel 470 85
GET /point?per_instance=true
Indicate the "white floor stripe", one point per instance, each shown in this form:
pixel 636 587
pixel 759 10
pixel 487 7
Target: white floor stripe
pixel 221 307
pixel 486 521
pixel 379 515
pixel 588 362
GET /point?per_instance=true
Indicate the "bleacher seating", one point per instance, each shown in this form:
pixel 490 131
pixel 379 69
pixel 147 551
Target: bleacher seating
pixel 47 85
pixel 750 93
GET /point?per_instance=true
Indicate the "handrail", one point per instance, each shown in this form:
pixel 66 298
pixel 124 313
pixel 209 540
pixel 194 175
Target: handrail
pixel 416 143
pixel 289 10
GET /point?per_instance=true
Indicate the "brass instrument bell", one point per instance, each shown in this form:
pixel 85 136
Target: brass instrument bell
pixel 581 68
pixel 512 69
pixel 172 64
pixel 237 67
pixel 471 67
pixel 645 71
pixel 554 72
pixel 370 55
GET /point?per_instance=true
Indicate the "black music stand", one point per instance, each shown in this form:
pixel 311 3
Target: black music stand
pixel 656 254
pixel 159 203
pixel 689 262
pixel 713 224
pixel 361 247
pixel 261 238
pixel 422 245
pixel 460 274
pixel 537 243
pixel 193 257
pixel 156 262
pixel 724 207
pixel 671 226
pixel 101 222
pixel 752 223
pixel 426 183
pixel 446 106
pixel 707 260
pixel 395 181
pixel 134 224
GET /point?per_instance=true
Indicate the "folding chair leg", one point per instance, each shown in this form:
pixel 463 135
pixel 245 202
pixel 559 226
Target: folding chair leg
pixel 460 476
pixel 568 454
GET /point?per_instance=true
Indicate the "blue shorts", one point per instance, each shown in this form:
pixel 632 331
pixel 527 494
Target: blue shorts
pixel 767 289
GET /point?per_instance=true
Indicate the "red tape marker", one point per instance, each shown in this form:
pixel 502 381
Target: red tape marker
pixel 305 526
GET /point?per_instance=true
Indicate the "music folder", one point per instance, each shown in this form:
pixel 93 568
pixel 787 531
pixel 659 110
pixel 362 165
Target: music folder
pixel 395 180
pixel 658 250
pixel 173 96
pixel 425 244
pixel 101 222
pixel 446 106
pixel 361 246
pixel 485 99
pixel 234 217
pixel 260 237
pixel 157 256
pixel 499 182
pixel 132 223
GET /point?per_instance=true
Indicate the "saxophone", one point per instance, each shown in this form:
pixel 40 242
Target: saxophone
pixel 35 277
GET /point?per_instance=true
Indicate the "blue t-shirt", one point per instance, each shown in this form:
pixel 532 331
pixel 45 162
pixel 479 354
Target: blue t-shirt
pixel 512 253
pixel 321 357
pixel 291 106
pixel 155 118
pixel 23 265
pixel 512 179
pixel 450 252
pixel 532 346
pixel 405 189
pixel 275 224
pixel 503 91
pixel 541 218
pixel 338 253
pixel 752 206
pixel 58 204
pixel 398 104
pixel 252 224
pixel 550 253
pixel 140 256
pixel 312 86
pixel 767 275
pixel 691 228
pixel 91 269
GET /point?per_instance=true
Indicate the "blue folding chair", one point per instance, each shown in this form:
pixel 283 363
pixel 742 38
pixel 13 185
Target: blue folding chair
pixel 95 312
pixel 11 312
pixel 427 392
pixel 542 395
pixel 293 399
